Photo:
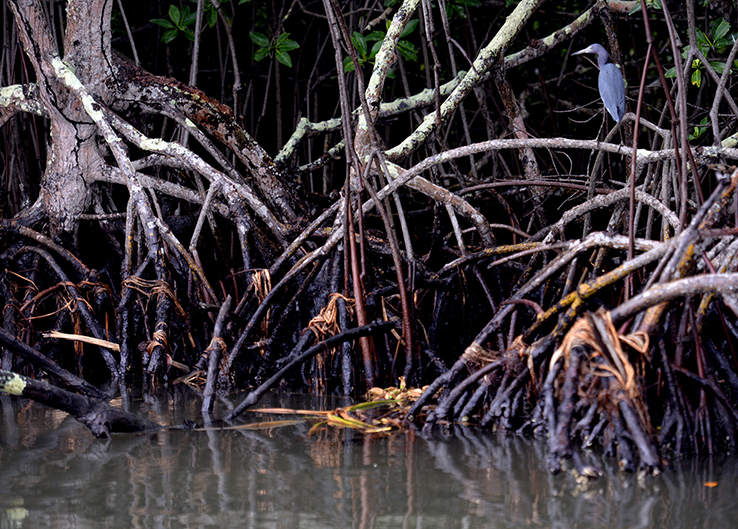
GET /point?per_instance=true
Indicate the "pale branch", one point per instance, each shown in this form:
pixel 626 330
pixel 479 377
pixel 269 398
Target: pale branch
pixel 20 98
pixel 426 97
pixel 485 60
pixel 609 199
pixel 721 93
pixel 113 175
pixel 547 43
pixel 526 249
pixel 232 191
pixel 158 94
pixel 138 196
pixel 306 128
pixel 724 284
pixel 403 177
pixel 592 241
pixel 386 56
pixel 205 142
pixel 334 153
pixel 444 196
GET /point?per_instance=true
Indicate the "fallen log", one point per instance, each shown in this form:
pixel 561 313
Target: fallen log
pixel 101 418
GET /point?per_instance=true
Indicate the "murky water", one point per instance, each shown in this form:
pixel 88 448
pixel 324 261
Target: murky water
pixel 54 474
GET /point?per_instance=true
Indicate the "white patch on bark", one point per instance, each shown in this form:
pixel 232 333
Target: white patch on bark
pixel 15 385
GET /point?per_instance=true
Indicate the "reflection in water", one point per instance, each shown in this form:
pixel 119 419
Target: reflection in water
pixel 53 473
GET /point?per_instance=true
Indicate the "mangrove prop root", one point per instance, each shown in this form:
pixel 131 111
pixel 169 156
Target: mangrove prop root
pixel 366 330
pixel 656 248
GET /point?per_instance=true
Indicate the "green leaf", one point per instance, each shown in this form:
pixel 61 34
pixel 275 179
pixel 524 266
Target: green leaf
pixel 174 14
pixel 702 38
pixel 374 35
pixel 375 49
pixel 169 36
pixel 287 45
pixel 452 9
pixel 409 28
pixel 189 34
pixel 348 65
pixel 699 130
pixel 259 39
pixel 407 50
pixel 284 58
pixel 163 22
pixel 212 17
pixel 261 53
pixel 188 20
pixel 671 72
pixel 724 42
pixel 719 29
pixel 359 43
pixel 697 78
pixel 718 66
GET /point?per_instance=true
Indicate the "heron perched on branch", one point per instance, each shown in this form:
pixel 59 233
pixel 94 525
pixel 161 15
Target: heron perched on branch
pixel 610 82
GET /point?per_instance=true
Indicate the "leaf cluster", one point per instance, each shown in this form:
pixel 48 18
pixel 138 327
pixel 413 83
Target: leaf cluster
pixel 720 41
pixel 366 55
pixel 182 21
pixel 279 47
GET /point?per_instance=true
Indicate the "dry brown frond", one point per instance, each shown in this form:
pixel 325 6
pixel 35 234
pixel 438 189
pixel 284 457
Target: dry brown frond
pixel 325 324
pixel 261 281
pixel 478 356
pixel 596 334
pixel 150 288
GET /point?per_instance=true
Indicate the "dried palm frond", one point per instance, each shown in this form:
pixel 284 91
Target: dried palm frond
pixel 325 324
pixel 608 360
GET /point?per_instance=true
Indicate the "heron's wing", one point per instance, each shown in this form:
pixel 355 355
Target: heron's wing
pixel 612 90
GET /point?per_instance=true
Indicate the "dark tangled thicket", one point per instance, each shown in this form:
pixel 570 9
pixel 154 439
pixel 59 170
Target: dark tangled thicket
pixel 457 216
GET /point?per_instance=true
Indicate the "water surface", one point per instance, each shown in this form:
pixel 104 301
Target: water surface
pixel 53 473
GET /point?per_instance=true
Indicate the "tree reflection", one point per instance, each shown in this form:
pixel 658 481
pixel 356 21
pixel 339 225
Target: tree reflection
pixel 56 474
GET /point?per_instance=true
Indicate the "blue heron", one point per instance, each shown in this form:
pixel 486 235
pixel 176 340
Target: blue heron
pixel 610 82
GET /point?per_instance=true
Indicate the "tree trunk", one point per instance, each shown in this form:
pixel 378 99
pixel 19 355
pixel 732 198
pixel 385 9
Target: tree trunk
pixel 73 151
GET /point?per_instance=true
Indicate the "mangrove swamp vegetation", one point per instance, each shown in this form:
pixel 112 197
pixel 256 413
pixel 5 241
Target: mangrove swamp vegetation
pixel 342 196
